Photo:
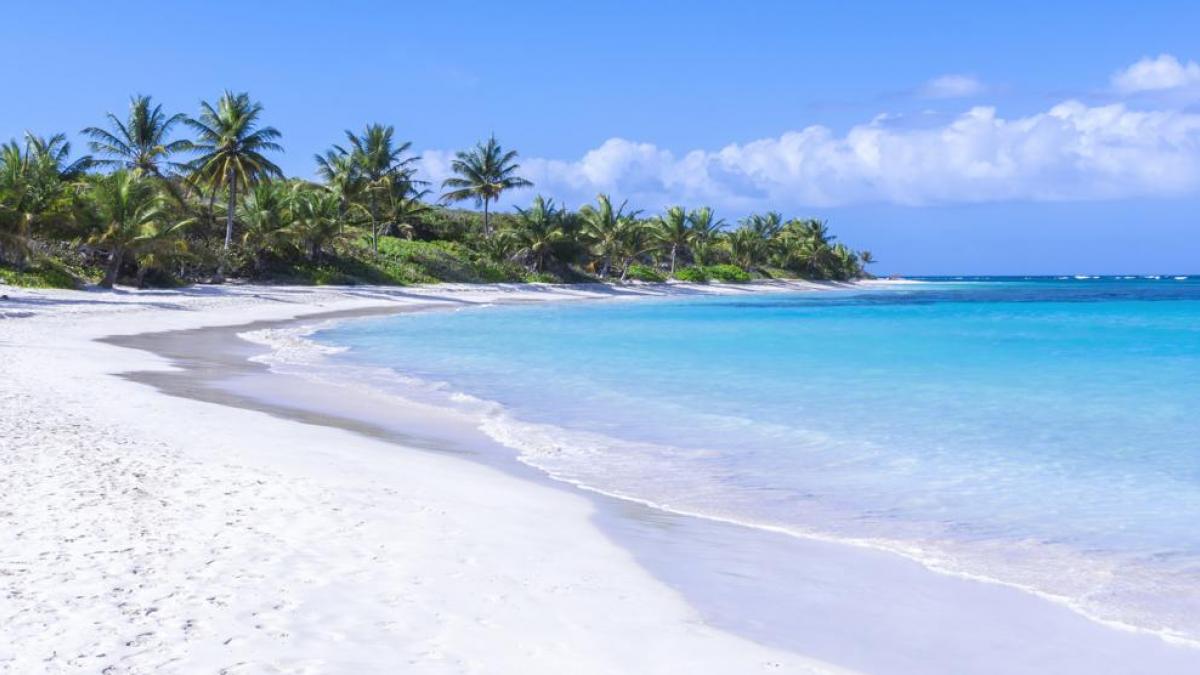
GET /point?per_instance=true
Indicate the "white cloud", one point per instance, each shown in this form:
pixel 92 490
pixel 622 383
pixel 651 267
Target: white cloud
pixel 1069 152
pixel 1158 74
pixel 951 86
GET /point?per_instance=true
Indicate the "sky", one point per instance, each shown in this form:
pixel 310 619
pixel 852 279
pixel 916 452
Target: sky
pixel 947 138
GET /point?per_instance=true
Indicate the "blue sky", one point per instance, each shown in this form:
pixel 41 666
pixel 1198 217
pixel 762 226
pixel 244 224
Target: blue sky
pixel 948 138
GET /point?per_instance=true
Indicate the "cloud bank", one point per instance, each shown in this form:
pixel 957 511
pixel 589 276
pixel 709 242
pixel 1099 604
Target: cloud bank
pixel 1159 74
pixel 1072 151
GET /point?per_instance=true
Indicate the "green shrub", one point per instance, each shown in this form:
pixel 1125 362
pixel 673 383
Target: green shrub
pixel 427 261
pixel 727 273
pixel 491 272
pixel 644 273
pixel 541 278
pixel 45 273
pixel 695 275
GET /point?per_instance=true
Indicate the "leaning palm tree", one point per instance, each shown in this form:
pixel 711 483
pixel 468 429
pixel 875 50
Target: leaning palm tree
pixel 129 216
pixel 232 144
pixel 142 141
pixel 484 173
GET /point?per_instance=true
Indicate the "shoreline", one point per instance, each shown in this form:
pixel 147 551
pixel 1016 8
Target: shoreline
pixel 145 531
pixel 641 534
pixel 1026 600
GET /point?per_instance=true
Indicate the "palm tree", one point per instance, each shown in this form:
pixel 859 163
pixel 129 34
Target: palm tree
pixel 52 154
pixel 846 262
pixel 637 239
pixel 232 145
pixel 538 231
pixel 316 216
pixel 748 247
pixel 404 211
pixel 129 217
pixel 34 182
pixel 611 232
pixel 672 230
pixel 767 226
pixel 484 173
pixel 266 220
pixel 337 169
pixel 142 141
pixel 384 172
pixel 706 232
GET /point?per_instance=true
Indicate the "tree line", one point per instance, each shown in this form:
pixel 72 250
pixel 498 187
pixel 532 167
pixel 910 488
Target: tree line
pixel 155 206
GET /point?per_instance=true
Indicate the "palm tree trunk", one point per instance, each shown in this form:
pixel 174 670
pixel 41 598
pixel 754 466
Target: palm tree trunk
pixel 374 226
pixel 113 268
pixel 229 209
pixel 673 248
pixel 487 230
pixel 228 224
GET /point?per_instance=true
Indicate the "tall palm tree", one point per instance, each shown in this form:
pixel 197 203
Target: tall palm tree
pixel 142 141
pixel 129 217
pixel 384 171
pixel 484 173
pixel 673 231
pixel 538 231
pixel 232 144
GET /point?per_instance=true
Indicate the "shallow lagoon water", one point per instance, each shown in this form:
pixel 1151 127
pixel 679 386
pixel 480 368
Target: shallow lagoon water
pixel 1037 432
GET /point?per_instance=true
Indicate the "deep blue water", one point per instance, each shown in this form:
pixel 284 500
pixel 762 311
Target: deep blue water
pixel 1040 432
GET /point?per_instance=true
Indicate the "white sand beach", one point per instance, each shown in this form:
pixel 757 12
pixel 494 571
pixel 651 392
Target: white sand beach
pixel 141 532
pixel 146 532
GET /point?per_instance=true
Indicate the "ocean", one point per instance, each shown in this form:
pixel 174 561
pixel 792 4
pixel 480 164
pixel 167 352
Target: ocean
pixel 1038 432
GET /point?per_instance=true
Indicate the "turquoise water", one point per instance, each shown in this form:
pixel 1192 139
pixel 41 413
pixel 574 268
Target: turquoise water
pixel 1042 433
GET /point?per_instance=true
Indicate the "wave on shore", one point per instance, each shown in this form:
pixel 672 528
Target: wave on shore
pixel 1112 590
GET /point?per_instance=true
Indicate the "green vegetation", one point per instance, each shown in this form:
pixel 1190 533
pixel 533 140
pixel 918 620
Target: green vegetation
pixel 695 275
pixel 727 273
pixel 153 208
pixel 645 273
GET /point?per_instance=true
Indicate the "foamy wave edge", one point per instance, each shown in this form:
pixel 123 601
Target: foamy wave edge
pixel 294 347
